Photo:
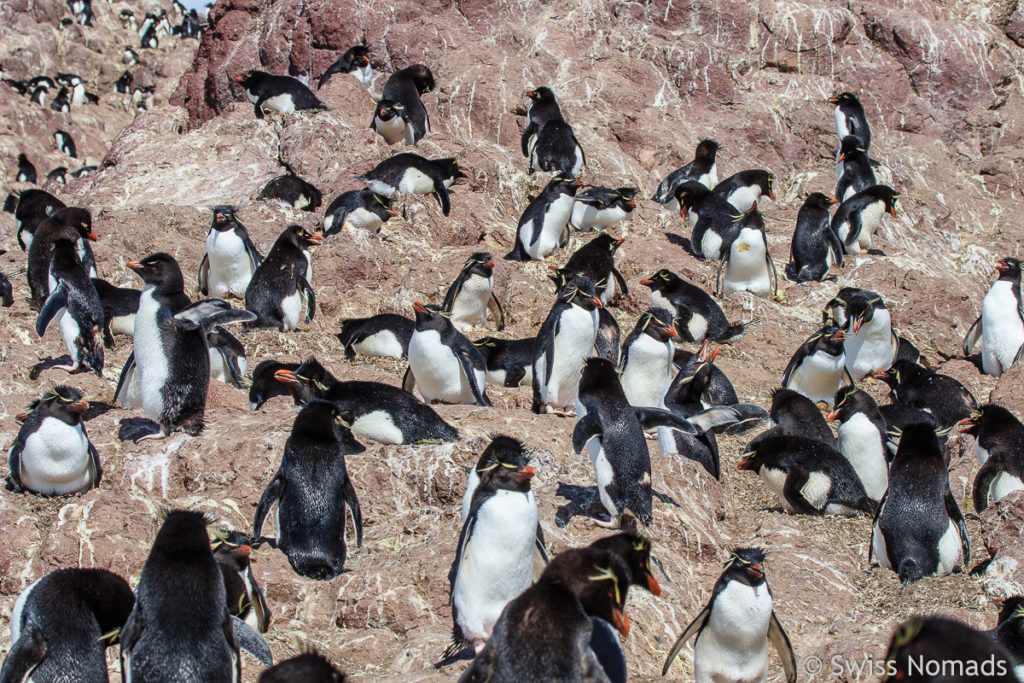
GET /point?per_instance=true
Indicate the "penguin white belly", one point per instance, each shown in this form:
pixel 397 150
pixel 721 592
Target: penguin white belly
pixel 218 366
pixel 361 219
pixel 55 460
pixel 123 324
pixel 392 130
pixel 131 392
pixel 747 269
pixel 870 219
pixel 19 609
pixel 672 205
pixel 586 217
pixel 415 181
pixel 648 372
pixel 1002 328
pixel 818 376
pixel 775 481
pixel 383 343
pixel 150 357
pixel 364 74
pixel 733 645
pixel 1004 485
pixel 578 164
pixel 470 307
pixel 603 472
pixel 710 179
pixel 878 546
pixel 497 562
pixel 380 187
pixel 437 370
pixel 817 488
pixel 870 349
pixel 78 95
pixel 861 445
pixel 378 426
pixel 573 344
pixel 553 226
pixel 467 498
pixel 980 452
pixel 711 245
pixel 659 300
pixel 949 550
pixel 26 237
pixel 69 332
pixel 291 308
pixel 282 104
pixel 231 268
pixel 744 197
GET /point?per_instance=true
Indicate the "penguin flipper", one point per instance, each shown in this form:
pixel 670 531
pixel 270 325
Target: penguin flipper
pixel 695 627
pixel 250 640
pixel 650 418
pixel 307 293
pixel 719 279
pixel 874 521
pixel 270 496
pixel 349 493
pixel 210 312
pixel 479 395
pixel 737 417
pixel 953 510
pixel 983 483
pixel 409 380
pixel 126 371
pixel 973 335
pixel 777 637
pixel 531 129
pixel 835 245
pixel 620 280
pixel 14 463
pixel 26 653
pixel 773 274
pixel 494 306
pixel 250 248
pixel 96 466
pixel 57 300
pixel 792 490
pixel 441 194
pixel 203 276
pixel 587 427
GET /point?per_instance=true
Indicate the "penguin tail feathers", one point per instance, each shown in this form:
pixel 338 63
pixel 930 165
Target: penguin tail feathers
pixel 517 254
pixel 735 331
pixel 909 571
pixel 456 647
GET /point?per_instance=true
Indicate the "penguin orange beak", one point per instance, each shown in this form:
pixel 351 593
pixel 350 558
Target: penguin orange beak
pixel 244 550
pixel 286 377
pixel 771 194
pixel 619 241
pixel 671 331
pixel 839 336
pixel 841 157
pixel 892 211
pixel 419 308
pixel 646 282
pixel 366 60
pixel 831 415
pixel 620 621
pixel 855 325
pixel 392 213
pixel 833 200
pixel 529 93
pixel 965 425
pixel 577 183
pixel 490 264
pixel 21 417
pixel 757 570
pixel 315 239
pixel 631 203
pixel 238 79
pixel 135 265
pixel 91 236
pixel 682 212
pixel 880 374
pixel 745 464
pixel 652 585
pixel 1001 264
pixel 598 303
pixel 80 406
pixel 834 99
pixel 527 472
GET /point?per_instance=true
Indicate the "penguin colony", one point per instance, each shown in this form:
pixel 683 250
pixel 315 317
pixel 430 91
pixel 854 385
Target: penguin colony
pixel 506 590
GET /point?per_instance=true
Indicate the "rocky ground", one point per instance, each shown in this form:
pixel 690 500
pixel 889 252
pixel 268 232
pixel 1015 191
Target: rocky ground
pixel 641 84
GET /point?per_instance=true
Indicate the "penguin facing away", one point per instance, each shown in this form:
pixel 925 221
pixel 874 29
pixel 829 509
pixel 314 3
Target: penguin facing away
pixel 281 94
pixel 596 260
pixel 63 623
pixel 858 217
pixel 230 259
pixel 735 627
pixel 280 283
pixel 76 305
pixel 471 296
pixel 548 140
pixel 853 168
pixel 942 396
pixel 67 223
pixel 32 208
pixel 1001 323
pixel 814 248
pixel 310 532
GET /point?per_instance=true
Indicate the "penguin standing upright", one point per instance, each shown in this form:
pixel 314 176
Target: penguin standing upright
pixel 447 367
pixel 387 334
pixel 471 296
pixel 858 217
pixel 565 340
pixel 734 628
pixel 244 597
pixel 602 207
pixel 355 60
pixel 170 351
pixel 61 626
pixel 64 143
pixel 409 173
pixel 853 168
pixel 596 260
pixel 713 220
pixel 312 472
pixel 548 141
pixel 702 169
pixel 52 454
pixel 1001 323
pixel 999 445
pixel 870 343
pixel 166 637
pixel 646 367
pixel 697 315
pixel 544 226
pixel 622 463
pixel 850 118
pixel 747 266
pixel 230 259
pixel 68 223
pixel 814 248
pixel 499 544
pixel 291 191
pixel 400 114
pixel 75 303
pixel 357 209
pixel 919 529
pixel 281 94
pixel 818 368
pixel 33 207
pixel 280 283
pixel 862 439
pixel 26 171
pixel 744 189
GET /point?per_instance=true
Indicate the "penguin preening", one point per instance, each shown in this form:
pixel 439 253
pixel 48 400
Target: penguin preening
pixel 702 169
pixel 281 94
pixel 815 248
pixel 265 384
pixel 230 259
pixel 471 296
pixel 52 454
pixel 62 624
pixel 794 414
pixel 409 173
pixel 1001 323
pixel 544 226
pixel 387 334
pixel 357 209
pixel 735 627
pixel 509 361
pixel 445 365
pixel 356 61
pixel 32 208
pixel 280 283
pixel 312 472
pixel 548 141
pixel 400 114
pixel 565 340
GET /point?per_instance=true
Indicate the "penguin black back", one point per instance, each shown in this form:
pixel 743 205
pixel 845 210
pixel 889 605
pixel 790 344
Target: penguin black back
pixel 797 415
pixel 309 667
pixel 944 397
pixel 355 58
pixel 701 169
pixel 596 260
pixel 814 246
pixel 68 223
pixel 291 190
pixel 280 283
pixel 283 94
pixel 33 207
pixel 948 648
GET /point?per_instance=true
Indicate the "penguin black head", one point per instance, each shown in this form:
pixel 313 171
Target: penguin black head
pixel 1009 268
pixel 885 194
pixel 844 98
pixel 481 263
pixel 660 280
pixel 182 536
pixel 431 317
pixel 250 78
pixel 707 149
pixel 232 555
pixel 504 465
pixel 389 109
pixel 819 200
pixel 697 370
pixel 604 596
pixel 541 94
pixel 861 309
pixel 77 219
pixel 828 339
pixel 308 381
pixel 309 667
pixel 598 373
pixel 851 147
pixel 745 565
pixel 421 76
pixel 355 57
pixel 658 324
pixel 59 174
pixel 322 421
pixel 579 291
pixel 850 401
pixel 1011 609
pixel 902 372
pixel 636 551
pixel 835 311
pixel 989 418
pixel 689 194
pixel 451 171
pixel 629 195
pixel 224 218
pixel 300 237
pixel 160 269
pixel 918 441
pixel 609 242
pixel 564 185
pixel 264 382
pixel 62 402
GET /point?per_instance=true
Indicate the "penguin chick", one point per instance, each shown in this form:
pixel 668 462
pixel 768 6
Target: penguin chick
pixel 230 259
pixel 814 248
pixel 52 454
pixel 1001 323
pixel 312 471
pixel 735 627
pixel 471 296
pixel 387 334
pixel 280 283
pixel 281 94
pixel 64 622
pixel 919 530
pixel 702 169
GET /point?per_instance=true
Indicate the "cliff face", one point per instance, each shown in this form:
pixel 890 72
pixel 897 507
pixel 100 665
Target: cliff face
pixel 641 84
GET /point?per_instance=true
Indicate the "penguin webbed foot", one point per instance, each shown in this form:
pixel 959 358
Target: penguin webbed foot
pixel 613 523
